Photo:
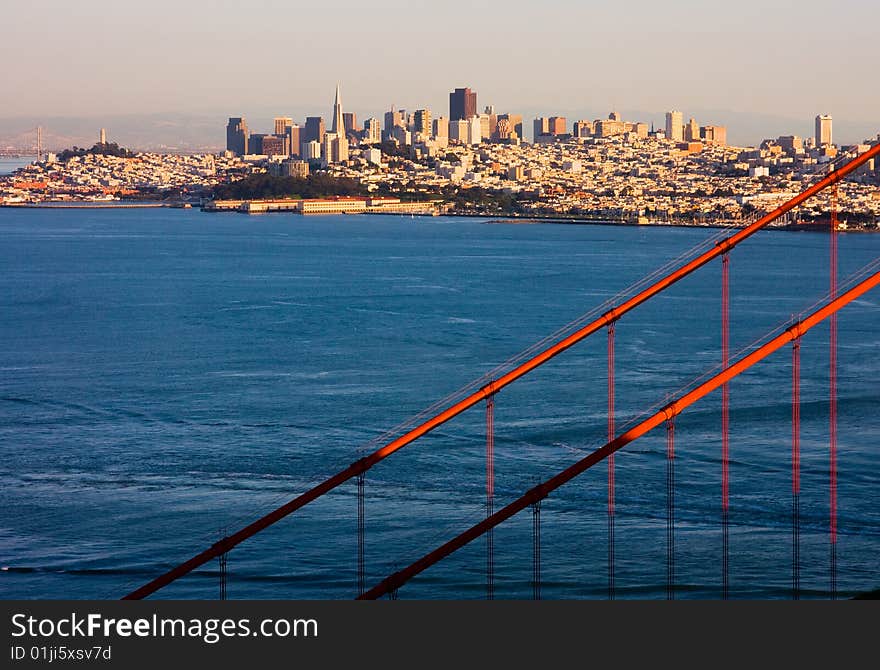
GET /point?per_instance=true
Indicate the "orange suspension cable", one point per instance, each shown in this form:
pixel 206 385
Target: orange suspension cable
pixel 674 408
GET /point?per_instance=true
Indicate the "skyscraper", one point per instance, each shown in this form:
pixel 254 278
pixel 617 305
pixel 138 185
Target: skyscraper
pixel 393 118
pixel 674 126
pixel 255 143
pixel 474 130
pixel 281 124
pixel 540 126
pixel 516 123
pixel 274 145
pixel 237 135
pixel 372 131
pixel 823 130
pixel 338 126
pixel 350 121
pixel 422 122
pixel 557 125
pixel 440 128
pixel 334 148
pixel 294 139
pixel 462 104
pixel 314 130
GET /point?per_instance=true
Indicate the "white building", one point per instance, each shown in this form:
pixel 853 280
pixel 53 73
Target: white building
pixel 441 128
pixel 312 149
pixel 373 156
pixel 675 126
pixel 475 130
pixel 372 131
pixel 823 130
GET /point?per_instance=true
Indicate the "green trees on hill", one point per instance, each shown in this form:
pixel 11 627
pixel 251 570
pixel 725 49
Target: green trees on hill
pixel 106 149
pixel 265 186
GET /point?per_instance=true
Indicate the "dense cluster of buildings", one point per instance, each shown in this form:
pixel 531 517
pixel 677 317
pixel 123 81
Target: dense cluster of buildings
pixel 608 168
pixel 465 124
pixel 96 177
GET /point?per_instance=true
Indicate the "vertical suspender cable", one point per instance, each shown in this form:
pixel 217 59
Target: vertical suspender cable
pixel 833 403
pixel 725 428
pixel 795 467
pixel 670 508
pixel 361 585
pixel 611 492
pixel 490 494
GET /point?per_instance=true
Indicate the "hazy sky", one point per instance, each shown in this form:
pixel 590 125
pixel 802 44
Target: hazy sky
pixel 100 57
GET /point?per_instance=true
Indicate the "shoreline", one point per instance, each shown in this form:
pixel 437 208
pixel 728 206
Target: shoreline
pixel 812 226
pixel 493 219
pixel 84 205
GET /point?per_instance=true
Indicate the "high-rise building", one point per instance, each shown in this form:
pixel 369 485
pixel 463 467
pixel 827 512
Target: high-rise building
pixel 504 131
pixel 274 145
pixel 791 144
pixel 338 125
pixel 557 125
pixel 422 121
pixel 615 116
pixel 311 150
pixel 281 123
pixel 372 131
pixel 486 125
pixel 717 135
pixel 314 130
pixel 255 143
pixel 474 130
pixel 541 126
pixel 458 130
pixel 608 128
pixel 237 135
pixel 692 131
pixel 489 111
pixel 440 128
pixel 334 146
pixel 349 119
pixel 583 128
pixel 402 135
pixel 823 130
pixel 294 139
pixel 675 126
pixel 393 118
pixel 462 104
pixel 516 123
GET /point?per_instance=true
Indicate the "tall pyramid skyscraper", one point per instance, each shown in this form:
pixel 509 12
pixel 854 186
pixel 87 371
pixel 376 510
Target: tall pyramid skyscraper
pixel 338 125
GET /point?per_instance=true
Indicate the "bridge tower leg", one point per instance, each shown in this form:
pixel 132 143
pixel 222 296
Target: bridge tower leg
pixel 670 509
pixel 536 550
pixel 833 403
pixel 361 585
pixel 795 468
pixel 725 428
pixel 490 494
pixel 611 492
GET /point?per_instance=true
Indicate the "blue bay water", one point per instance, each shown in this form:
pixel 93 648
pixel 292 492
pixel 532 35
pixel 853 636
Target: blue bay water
pixel 9 165
pixel 168 375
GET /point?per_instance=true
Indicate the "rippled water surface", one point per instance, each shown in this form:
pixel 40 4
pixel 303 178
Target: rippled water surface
pixel 168 375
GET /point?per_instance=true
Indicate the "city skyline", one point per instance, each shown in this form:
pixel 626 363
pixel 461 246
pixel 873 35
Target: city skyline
pixel 577 57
